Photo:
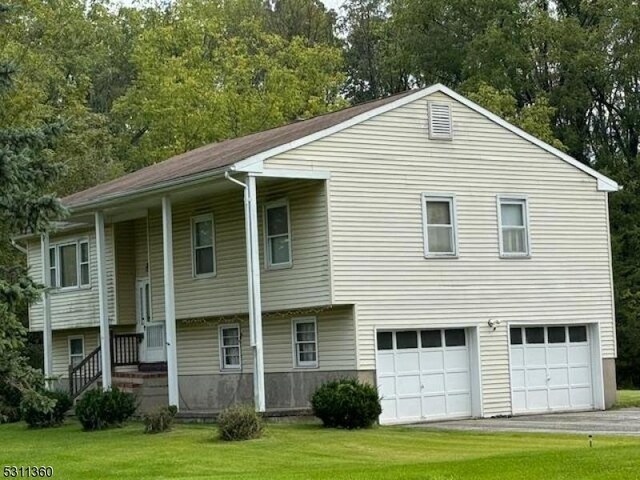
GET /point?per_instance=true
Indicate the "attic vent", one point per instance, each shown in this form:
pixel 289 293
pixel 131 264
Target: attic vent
pixel 440 124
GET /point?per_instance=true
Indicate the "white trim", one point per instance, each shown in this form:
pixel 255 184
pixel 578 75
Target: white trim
pixel 450 198
pixel 437 136
pixel 519 199
pixel 105 351
pixel 604 183
pixel 268 264
pixel 197 219
pixel 169 302
pixel 294 337
pixel 223 366
pixel 74 337
pixel 47 334
pixel 611 284
pixel 78 242
pixel 291 173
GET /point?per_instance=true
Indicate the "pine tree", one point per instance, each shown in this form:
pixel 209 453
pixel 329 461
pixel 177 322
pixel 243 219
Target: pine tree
pixel 26 173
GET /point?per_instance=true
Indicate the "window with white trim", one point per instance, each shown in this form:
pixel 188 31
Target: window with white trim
pixel 439 225
pixel 514 226
pixel 203 245
pixel 305 342
pixel 69 264
pixel 76 350
pixel 277 232
pixel 230 357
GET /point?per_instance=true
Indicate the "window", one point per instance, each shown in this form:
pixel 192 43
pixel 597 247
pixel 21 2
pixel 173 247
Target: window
pixel 305 343
pixel 455 338
pixel 516 336
pixel 578 334
pixel 440 123
pixel 556 334
pixel 534 334
pixel 385 341
pixel 431 338
pixel 514 229
pixel 408 339
pixel 277 235
pixel 202 242
pixel 438 213
pixel 230 357
pixel 76 350
pixel 69 264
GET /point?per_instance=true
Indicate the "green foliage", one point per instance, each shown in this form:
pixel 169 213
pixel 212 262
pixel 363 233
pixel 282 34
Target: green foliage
pixel 160 419
pixel 98 409
pixel 239 422
pixel 46 410
pixel 346 403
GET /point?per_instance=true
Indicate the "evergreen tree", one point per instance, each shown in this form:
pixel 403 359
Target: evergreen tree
pixel 26 173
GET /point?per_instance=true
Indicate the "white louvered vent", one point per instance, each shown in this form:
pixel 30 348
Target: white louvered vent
pixel 440 123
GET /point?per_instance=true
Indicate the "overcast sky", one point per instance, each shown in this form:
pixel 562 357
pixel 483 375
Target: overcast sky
pixel 335 4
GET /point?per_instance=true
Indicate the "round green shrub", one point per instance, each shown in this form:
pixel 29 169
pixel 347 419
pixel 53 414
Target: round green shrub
pixel 239 422
pixel 346 403
pixel 45 410
pixel 98 409
pixel 160 419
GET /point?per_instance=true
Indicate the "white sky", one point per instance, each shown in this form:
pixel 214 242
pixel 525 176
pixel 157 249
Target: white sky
pixel 334 4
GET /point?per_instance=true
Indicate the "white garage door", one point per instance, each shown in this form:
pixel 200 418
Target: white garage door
pixel 551 368
pixel 423 375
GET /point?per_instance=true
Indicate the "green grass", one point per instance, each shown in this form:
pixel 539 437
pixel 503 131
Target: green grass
pixel 311 452
pixel 628 398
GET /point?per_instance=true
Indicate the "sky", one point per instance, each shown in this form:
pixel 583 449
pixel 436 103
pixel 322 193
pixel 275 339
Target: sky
pixel 334 4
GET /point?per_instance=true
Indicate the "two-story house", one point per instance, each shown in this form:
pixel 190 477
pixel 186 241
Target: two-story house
pixel 418 242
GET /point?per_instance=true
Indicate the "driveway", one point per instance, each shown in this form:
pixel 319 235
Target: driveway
pixel 611 422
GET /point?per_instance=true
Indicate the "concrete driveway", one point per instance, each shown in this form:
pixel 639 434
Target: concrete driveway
pixel 611 422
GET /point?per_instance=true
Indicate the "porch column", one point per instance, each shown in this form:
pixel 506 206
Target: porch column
pixel 255 305
pixel 105 344
pixel 47 336
pixel 169 303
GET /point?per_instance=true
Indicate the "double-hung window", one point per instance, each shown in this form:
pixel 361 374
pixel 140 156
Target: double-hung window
pixel 305 342
pixel 69 264
pixel 230 357
pixel 439 220
pixel 514 226
pixel 203 246
pixel 277 235
pixel 76 350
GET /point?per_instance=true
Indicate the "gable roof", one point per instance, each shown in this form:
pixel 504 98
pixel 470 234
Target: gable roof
pixel 241 152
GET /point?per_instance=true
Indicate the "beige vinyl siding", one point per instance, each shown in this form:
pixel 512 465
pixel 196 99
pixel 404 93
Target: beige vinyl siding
pixel 141 248
pixel 198 344
pixel 379 169
pixel 60 350
pixel 305 284
pixel 75 307
pixel 125 257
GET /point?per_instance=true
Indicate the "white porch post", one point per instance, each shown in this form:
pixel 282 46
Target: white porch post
pixel 47 336
pixel 105 351
pixel 169 302
pixel 255 305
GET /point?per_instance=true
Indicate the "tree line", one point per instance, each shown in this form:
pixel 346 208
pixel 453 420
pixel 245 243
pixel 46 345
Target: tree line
pixel 130 86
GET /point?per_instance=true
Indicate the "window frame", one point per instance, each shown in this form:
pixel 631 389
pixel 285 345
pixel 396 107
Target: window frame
pixel 440 197
pixel 58 265
pixel 269 265
pixel 294 338
pixel 519 199
pixel 69 339
pixel 221 348
pixel 198 219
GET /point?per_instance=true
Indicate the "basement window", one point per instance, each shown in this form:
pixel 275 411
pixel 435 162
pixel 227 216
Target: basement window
pixel 305 342
pixel 230 358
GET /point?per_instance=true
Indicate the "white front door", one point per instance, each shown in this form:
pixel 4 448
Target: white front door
pixel 423 374
pixel 153 345
pixel 551 368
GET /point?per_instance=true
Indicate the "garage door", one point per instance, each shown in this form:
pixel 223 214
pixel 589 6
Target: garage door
pixel 551 368
pixel 423 375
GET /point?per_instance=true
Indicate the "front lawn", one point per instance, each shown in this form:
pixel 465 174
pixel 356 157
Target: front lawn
pixel 628 398
pixel 309 451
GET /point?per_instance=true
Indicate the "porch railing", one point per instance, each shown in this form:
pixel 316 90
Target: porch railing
pixel 124 352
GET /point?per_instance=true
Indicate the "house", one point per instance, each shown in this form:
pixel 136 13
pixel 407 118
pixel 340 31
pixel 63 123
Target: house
pixel 417 242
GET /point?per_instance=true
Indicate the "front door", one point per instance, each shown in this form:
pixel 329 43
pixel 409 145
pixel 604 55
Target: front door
pixel 153 345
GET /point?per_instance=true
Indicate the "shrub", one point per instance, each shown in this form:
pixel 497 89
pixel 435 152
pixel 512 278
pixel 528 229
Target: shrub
pixel 46 410
pixel 160 419
pixel 10 398
pixel 239 422
pixel 100 409
pixel 346 403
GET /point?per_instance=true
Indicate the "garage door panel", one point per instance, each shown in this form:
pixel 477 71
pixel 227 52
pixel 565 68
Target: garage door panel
pixel 557 355
pixel 535 356
pixel 431 360
pixel 582 396
pixel 517 379
pixel 407 362
pixel 388 409
pixel 434 406
pixel 458 404
pixel 433 383
pixel 517 356
pixel 407 408
pixel 458 381
pixel 536 377
pixel 537 399
pixel 558 376
pixel 519 401
pixel 386 364
pixel 457 358
pixel 559 398
pixel 387 386
pixel 580 376
pixel 579 354
pixel 408 385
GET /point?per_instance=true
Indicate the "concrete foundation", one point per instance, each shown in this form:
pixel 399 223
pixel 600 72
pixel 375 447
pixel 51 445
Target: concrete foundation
pixel 284 390
pixel 610 386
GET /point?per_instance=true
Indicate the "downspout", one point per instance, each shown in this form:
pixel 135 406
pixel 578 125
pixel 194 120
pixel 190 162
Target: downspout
pixel 253 295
